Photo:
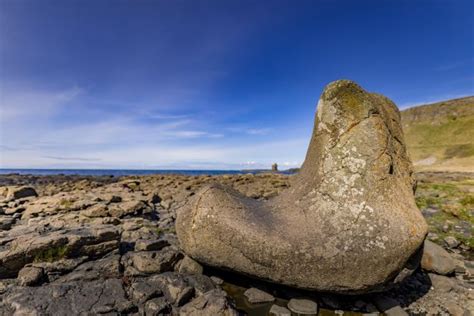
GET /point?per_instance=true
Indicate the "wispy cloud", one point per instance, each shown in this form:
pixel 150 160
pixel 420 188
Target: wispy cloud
pixel 17 103
pixel 72 158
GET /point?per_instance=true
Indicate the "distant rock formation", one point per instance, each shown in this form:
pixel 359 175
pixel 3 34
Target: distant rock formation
pixel 349 222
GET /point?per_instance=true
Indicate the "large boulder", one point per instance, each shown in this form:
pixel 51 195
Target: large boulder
pixel 349 222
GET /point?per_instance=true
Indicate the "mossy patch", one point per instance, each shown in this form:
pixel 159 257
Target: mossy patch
pixel 52 254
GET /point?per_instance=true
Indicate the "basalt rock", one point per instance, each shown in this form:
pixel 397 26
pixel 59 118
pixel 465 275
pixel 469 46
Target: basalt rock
pixel 348 223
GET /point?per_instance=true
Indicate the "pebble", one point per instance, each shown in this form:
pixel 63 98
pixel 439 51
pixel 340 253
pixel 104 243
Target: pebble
pixel 451 242
pixel 277 310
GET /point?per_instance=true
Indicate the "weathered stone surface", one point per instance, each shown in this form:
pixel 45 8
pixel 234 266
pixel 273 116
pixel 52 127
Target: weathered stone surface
pixel 30 276
pixel 149 262
pixel 174 287
pixel 436 259
pixel 349 222
pixel 211 303
pixel 55 246
pixel 76 298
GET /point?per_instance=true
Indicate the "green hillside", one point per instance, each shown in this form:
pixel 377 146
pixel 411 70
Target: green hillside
pixel 440 136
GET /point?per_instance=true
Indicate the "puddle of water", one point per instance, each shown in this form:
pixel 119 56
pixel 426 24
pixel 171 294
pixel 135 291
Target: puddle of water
pixel 236 293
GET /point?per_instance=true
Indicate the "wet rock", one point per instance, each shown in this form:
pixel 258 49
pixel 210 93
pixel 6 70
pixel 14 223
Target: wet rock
pixel 451 242
pixel 29 276
pixel 211 303
pixel 353 195
pixel 277 310
pixel 200 283
pixel 303 306
pixel 256 296
pixel 15 193
pixel 189 266
pixel 436 259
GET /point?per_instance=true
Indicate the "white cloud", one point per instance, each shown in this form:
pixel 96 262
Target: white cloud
pixel 15 104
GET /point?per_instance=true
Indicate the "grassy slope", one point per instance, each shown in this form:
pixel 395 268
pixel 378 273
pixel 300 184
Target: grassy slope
pixel 440 136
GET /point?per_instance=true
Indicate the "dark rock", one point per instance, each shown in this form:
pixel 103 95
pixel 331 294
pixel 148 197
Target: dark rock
pixel 389 306
pixel 174 287
pixel 15 193
pixel 142 290
pixel 76 298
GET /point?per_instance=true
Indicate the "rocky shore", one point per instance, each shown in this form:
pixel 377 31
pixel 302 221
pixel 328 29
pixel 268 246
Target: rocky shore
pixel 103 245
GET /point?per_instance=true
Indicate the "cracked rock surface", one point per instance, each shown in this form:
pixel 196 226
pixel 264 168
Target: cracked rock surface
pixel 354 195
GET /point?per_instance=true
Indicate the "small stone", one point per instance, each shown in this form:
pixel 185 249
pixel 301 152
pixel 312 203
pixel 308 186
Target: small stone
pixel 151 262
pixel 277 310
pixel 189 266
pixel 303 306
pixel 451 242
pixel 436 259
pixel 29 276
pixel 217 280
pixel 256 296
pixel 150 245
pixel 157 306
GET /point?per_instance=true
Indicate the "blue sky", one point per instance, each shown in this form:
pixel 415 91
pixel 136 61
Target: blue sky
pixel 209 84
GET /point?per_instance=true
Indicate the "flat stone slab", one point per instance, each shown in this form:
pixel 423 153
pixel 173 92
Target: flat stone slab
pixel 256 296
pixel 303 306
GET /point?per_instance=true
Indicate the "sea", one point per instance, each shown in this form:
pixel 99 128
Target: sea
pixel 122 172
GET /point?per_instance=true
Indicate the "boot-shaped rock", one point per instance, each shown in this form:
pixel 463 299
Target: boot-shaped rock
pixel 347 224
